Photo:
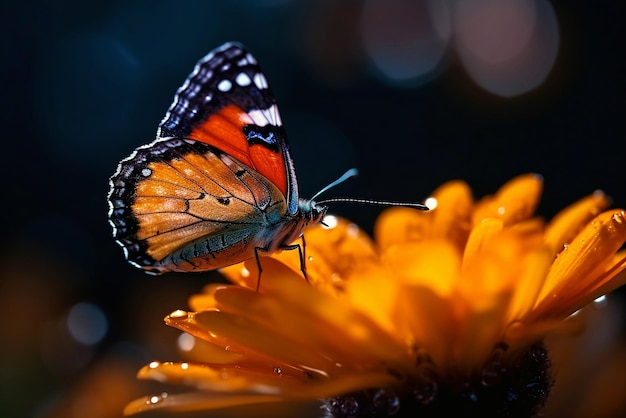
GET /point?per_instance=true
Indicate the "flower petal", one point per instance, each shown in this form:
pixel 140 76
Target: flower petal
pixel 211 377
pixel 580 267
pixel 568 222
pixel 435 264
pixel 515 201
pixel 425 320
pixel 449 219
pixel 481 234
pixel 333 252
pixel 340 333
pixel 336 252
pixel 534 267
pixel 195 401
pixel 204 301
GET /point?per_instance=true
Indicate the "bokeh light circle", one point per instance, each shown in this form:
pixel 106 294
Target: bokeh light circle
pixel 507 47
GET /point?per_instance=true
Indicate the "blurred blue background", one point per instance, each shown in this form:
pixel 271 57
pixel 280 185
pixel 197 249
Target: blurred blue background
pixel 412 93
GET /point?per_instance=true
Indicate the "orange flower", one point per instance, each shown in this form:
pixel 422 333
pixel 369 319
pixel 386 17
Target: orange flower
pixel 444 312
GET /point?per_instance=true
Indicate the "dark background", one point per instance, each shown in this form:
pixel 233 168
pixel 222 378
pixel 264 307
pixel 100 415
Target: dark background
pixel 84 83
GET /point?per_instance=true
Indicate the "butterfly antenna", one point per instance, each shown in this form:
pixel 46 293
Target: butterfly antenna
pixel 352 173
pixel 419 206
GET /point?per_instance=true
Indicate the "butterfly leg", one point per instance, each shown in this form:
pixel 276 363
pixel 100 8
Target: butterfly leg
pixel 258 264
pixel 301 255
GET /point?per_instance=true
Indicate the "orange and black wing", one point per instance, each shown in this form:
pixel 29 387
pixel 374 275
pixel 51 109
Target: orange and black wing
pixel 217 178
pixel 182 205
pixel 226 102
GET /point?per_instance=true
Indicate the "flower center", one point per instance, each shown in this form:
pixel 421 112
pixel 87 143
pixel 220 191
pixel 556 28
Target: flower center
pixel 515 386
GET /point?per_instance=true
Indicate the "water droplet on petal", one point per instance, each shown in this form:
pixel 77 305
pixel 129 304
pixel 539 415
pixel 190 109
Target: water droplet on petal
pixel 278 370
pixel 600 302
pixel 154 364
pixel 386 402
pixel 425 391
pixel 179 314
pixel 426 386
pixel 155 399
pixel 347 406
pixel 352 230
pixel 493 371
pixel 184 366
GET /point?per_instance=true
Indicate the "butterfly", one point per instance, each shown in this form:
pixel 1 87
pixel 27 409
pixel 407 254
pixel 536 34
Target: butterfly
pixel 218 185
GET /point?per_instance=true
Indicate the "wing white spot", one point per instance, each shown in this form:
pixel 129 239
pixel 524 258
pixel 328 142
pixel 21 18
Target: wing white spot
pixel 263 117
pixel 224 85
pixel 146 172
pixel 260 81
pixel 243 79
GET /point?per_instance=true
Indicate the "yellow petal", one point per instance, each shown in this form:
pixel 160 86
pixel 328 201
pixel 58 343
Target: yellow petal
pixel 339 333
pixel 243 334
pixel 204 351
pixel 338 385
pixel 251 404
pixel 398 225
pixel 336 252
pixel 568 222
pixel 523 334
pixel 581 266
pixel 333 252
pixel 204 301
pixel 515 201
pixel 451 218
pixel 222 350
pixel 375 295
pixel 247 274
pixel 435 264
pixel 493 271
pixel 481 234
pixel 481 329
pixel 205 377
pixel 242 275
pixel 195 401
pixel 425 319
pixel 534 268
pixel 610 280
pixel 448 220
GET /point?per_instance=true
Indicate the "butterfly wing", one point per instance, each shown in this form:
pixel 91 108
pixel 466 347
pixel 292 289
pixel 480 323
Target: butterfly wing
pixel 226 102
pixel 217 183
pixel 181 205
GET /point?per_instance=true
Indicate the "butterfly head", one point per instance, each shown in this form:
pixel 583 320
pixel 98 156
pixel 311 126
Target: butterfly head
pixel 311 211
